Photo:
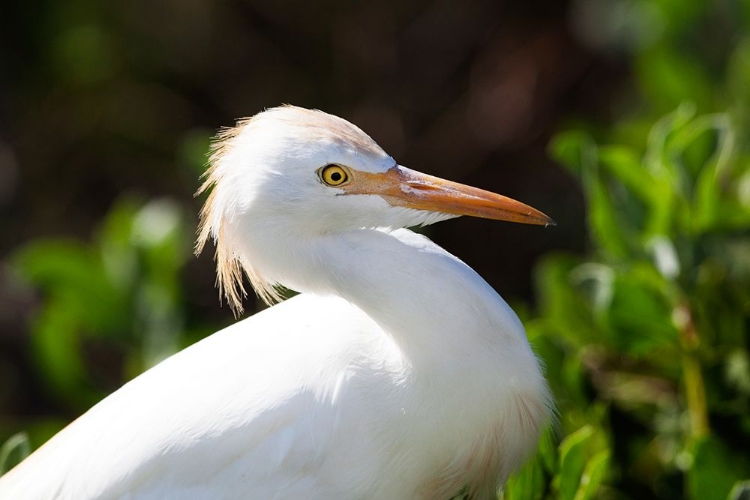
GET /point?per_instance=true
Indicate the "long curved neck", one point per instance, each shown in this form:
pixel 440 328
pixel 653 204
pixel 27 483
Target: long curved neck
pixel 435 307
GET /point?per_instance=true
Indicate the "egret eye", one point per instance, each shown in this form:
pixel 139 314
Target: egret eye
pixel 334 175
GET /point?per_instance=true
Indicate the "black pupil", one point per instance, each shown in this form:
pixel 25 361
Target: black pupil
pixel 336 176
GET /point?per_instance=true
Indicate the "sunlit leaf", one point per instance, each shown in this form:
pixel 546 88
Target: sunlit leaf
pixel 119 256
pixel 573 457
pixel 593 475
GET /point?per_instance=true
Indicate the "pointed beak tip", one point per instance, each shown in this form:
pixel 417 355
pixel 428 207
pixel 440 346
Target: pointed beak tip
pixel 539 218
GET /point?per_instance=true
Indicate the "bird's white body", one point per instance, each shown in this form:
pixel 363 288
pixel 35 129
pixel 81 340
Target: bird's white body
pixel 397 373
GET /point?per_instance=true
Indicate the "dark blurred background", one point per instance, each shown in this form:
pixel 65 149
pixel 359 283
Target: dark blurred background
pixel 107 109
pixel 102 98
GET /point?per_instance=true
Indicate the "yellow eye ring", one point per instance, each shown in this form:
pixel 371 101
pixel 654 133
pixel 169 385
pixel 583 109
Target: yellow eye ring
pixel 334 175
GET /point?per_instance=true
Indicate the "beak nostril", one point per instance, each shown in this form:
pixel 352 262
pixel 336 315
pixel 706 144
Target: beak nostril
pixel 423 187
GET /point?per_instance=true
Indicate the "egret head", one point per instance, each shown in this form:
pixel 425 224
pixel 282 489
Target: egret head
pixel 304 173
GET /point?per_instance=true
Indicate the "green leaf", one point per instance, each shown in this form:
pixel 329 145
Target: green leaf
pixel 53 263
pixel 71 270
pixel 57 351
pixel 159 229
pixel 528 484
pixel 577 151
pixel 738 74
pixel 714 470
pixel 573 455
pixel 547 452
pixel 740 491
pixel 593 476
pixel 605 225
pixel 669 78
pixel 713 172
pixel 626 165
pixel 737 370
pixel 114 238
pixel 567 310
pixel 640 316
pixel 570 149
pixel 596 281
pixel 15 449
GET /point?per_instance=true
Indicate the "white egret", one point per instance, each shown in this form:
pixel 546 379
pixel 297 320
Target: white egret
pixel 396 373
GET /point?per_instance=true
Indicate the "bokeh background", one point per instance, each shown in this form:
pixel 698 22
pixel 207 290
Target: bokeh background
pixel 625 120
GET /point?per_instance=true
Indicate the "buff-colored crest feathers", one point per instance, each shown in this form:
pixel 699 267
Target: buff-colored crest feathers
pixel 229 264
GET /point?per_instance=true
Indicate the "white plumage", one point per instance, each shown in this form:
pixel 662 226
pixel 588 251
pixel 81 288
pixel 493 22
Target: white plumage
pixel 397 373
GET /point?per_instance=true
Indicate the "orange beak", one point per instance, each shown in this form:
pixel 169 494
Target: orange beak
pixel 403 187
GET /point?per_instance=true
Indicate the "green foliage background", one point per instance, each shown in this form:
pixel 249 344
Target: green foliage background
pixel 644 335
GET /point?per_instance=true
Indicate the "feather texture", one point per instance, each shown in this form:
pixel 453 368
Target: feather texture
pixel 397 373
